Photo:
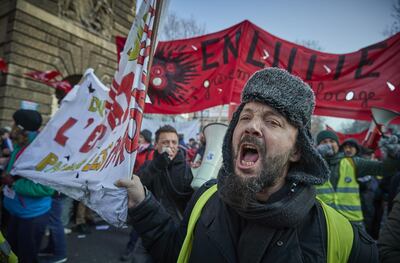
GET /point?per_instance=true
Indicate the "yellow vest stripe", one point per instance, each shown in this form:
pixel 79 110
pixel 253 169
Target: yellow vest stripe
pixel 5 249
pixel 340 241
pixel 194 216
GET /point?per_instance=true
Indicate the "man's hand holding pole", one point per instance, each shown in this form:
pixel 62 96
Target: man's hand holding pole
pixel 135 189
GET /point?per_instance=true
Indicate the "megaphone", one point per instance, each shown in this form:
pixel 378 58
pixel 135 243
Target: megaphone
pixel 380 119
pixel 212 159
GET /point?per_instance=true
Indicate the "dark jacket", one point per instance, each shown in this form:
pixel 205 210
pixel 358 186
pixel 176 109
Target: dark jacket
pixel 169 181
pixel 363 167
pixel 389 239
pixel 221 235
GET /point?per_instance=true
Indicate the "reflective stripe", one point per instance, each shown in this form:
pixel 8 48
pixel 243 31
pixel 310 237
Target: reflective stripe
pixel 340 235
pixel 5 247
pixel 324 191
pixel 186 248
pixel 347 190
pixel 346 207
pixel 338 190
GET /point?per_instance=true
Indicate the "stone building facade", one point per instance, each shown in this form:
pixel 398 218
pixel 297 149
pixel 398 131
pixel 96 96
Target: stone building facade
pixel 65 35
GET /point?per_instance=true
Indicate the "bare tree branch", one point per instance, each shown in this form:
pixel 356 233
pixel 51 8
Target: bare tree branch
pixel 313 44
pixel 175 27
pixel 395 27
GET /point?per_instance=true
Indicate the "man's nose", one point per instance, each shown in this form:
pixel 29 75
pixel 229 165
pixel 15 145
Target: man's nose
pixel 254 128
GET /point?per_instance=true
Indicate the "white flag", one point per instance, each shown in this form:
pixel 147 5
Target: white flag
pixel 92 140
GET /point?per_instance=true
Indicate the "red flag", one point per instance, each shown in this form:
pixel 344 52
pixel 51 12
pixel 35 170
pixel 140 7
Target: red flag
pixel 193 74
pixel 61 85
pixel 3 66
pixel 120 42
pixel 360 136
pixel 43 76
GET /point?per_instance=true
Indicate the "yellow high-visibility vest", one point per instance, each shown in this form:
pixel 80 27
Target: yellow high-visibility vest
pixel 6 255
pixel 346 198
pixel 339 231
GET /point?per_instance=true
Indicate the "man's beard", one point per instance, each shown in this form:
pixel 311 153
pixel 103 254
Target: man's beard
pixel 241 191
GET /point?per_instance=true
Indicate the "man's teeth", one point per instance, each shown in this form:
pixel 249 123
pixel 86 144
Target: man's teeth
pixel 247 163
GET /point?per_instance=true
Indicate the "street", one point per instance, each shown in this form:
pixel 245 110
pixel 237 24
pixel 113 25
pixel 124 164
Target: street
pixel 100 246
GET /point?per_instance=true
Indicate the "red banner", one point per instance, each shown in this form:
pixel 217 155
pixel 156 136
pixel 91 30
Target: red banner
pixel 43 76
pixel 197 73
pixel 49 78
pixel 359 137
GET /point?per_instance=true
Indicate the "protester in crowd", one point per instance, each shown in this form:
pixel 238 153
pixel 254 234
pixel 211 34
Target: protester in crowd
pixel 27 202
pixel 56 249
pixel 198 157
pixel 192 149
pixel 350 147
pixel 192 143
pixel 367 183
pixel 389 240
pixel 184 147
pixel 145 151
pixel 6 143
pixel 342 191
pixel 168 177
pixel 388 188
pixel 264 206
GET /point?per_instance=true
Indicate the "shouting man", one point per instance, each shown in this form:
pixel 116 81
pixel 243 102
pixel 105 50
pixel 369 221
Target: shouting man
pixel 263 207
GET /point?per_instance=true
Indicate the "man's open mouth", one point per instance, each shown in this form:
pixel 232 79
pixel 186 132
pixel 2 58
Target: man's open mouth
pixel 249 155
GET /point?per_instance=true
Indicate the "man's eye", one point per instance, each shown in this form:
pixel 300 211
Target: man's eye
pixel 274 123
pixel 244 117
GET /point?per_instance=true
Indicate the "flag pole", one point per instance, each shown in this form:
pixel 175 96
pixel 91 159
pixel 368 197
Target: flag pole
pixel 157 16
pixel 138 96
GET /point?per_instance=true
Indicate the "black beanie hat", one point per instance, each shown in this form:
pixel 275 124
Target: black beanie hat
pixel 295 100
pixel 29 120
pixel 352 142
pixel 322 135
pixel 146 135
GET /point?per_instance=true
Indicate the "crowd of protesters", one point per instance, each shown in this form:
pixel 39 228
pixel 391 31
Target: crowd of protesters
pixel 346 176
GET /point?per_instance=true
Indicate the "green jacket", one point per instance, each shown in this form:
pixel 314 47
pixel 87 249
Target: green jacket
pixel 28 188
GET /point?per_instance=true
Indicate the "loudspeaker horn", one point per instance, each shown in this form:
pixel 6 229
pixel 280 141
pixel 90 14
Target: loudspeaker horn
pixel 380 118
pixel 212 159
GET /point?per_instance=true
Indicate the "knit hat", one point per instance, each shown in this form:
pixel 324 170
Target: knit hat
pixel 352 142
pixel 146 135
pixel 29 120
pixel 295 100
pixel 327 134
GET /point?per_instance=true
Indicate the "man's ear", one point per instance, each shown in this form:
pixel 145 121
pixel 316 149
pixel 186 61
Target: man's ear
pixel 295 155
